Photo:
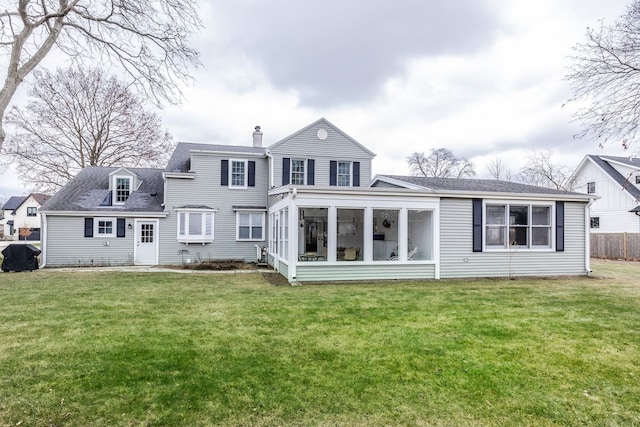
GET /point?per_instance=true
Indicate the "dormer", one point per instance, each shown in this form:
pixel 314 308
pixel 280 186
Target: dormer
pixel 122 182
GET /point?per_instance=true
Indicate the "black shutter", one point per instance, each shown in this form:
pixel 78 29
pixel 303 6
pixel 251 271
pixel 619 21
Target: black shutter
pixel 286 170
pixel 120 231
pixel 333 172
pixel 559 226
pixel 311 171
pixel 477 224
pixel 251 174
pixel 356 174
pixel 88 227
pixel 224 173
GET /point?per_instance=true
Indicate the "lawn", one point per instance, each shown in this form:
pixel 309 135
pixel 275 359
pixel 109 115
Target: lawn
pixel 129 349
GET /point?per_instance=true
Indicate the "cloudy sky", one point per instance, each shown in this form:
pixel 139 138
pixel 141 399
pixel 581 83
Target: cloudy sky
pixel 483 78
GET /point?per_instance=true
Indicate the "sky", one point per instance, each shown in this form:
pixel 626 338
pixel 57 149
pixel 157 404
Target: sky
pixel 483 78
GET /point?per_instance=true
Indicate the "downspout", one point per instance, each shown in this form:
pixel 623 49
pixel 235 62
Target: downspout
pixel 43 238
pixel 271 177
pixel 587 233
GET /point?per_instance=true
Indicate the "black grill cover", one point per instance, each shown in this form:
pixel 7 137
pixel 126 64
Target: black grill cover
pixel 20 257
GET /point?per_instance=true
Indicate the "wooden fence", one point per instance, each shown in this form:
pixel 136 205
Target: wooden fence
pixel 624 246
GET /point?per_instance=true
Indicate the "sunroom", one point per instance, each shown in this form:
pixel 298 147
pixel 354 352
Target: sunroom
pixel 319 234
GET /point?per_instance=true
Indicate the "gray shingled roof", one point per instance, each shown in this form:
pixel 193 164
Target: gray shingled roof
pixel 181 157
pixel 617 176
pixel 89 188
pixel 476 185
pixel 14 202
pixel 630 161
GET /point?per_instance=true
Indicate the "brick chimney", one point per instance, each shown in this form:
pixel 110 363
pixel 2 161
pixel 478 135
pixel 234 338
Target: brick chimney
pixel 257 137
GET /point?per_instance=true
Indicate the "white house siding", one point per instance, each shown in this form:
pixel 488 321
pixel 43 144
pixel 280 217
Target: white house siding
pixel 319 272
pixel 67 246
pixel 306 145
pixel 457 258
pixel 615 202
pixel 205 189
pixel 21 220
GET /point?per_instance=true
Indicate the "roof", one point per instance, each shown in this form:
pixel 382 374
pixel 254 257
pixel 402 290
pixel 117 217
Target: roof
pixel 603 163
pixel 180 160
pixel 40 197
pixel 328 123
pixel 89 188
pixel 476 185
pixel 13 203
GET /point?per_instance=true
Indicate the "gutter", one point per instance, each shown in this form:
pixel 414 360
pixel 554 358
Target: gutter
pixel 271 176
pixel 587 233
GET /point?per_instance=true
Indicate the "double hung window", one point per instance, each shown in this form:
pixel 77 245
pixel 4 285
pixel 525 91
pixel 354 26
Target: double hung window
pixel 250 225
pixel 122 189
pixel 238 174
pixel 525 226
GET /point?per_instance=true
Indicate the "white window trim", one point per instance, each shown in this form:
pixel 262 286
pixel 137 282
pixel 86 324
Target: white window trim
pixel 249 212
pixel 246 174
pixel 530 247
pixel 338 173
pixel 304 171
pixel 114 227
pixel 200 238
pixel 114 190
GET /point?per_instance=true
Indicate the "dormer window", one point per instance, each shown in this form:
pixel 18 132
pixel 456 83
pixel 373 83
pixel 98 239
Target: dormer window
pixel 121 189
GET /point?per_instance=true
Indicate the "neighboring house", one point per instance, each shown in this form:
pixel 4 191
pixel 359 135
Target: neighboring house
pixel 616 182
pixel 309 200
pixel 21 213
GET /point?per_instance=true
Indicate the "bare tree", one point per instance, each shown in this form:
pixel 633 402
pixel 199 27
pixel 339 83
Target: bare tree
pixel 148 39
pixel 543 172
pixel 605 76
pixel 78 118
pixel 440 163
pixel 498 169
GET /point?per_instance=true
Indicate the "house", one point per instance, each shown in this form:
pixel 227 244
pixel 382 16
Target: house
pixel 616 182
pixel 21 216
pixel 309 203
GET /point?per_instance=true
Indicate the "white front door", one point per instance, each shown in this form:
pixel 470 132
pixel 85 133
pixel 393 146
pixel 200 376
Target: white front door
pixel 146 249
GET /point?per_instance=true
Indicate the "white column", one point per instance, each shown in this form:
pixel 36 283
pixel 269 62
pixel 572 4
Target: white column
pixel 403 234
pixel 368 234
pixel 332 233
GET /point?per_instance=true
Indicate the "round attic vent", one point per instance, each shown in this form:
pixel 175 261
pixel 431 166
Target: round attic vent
pixel 322 134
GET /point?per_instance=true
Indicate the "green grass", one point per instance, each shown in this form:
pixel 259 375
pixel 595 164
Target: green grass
pixel 230 349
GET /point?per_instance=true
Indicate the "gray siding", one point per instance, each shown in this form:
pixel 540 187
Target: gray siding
pixel 67 246
pixel 306 145
pixel 206 190
pixel 458 259
pixel 382 184
pixel 316 273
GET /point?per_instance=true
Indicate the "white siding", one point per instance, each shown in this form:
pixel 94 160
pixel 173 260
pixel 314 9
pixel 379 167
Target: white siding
pixel 457 258
pixel 615 202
